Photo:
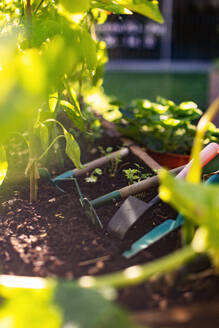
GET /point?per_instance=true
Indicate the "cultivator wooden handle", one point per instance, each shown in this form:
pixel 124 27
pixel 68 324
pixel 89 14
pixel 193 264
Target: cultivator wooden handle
pixel 92 165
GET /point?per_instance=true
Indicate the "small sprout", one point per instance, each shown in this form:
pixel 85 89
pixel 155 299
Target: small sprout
pixel 93 177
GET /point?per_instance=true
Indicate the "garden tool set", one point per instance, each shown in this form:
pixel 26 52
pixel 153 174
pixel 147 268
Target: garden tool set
pixel 132 209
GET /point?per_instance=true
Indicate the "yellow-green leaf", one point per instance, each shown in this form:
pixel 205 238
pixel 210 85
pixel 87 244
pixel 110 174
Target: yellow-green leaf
pixel 143 7
pixel 3 164
pixel 198 202
pixel 53 100
pixel 72 149
pixel 76 6
pixel 74 113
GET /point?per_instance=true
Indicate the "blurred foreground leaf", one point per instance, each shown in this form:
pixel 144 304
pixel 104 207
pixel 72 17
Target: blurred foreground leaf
pixel 200 203
pixel 37 302
pixel 75 6
pixel 3 164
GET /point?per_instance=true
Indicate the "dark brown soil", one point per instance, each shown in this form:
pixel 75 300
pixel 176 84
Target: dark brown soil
pixel 53 237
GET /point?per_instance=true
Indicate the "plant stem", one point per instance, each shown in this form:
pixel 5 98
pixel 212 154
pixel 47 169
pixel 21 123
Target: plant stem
pixel 137 274
pixel 38 7
pixel 29 22
pixel 33 187
pixel 50 146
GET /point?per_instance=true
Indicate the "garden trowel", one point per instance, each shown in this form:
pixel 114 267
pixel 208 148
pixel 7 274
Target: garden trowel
pixel 161 230
pixel 132 208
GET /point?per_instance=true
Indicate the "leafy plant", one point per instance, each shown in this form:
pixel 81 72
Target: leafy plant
pixel 135 175
pixel 114 163
pixel 163 126
pixel 49 58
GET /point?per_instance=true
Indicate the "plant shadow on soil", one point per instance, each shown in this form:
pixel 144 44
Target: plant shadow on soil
pixel 53 237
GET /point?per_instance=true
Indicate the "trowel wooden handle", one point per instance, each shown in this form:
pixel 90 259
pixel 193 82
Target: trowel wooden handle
pixel 144 184
pixel 101 161
pixel 205 156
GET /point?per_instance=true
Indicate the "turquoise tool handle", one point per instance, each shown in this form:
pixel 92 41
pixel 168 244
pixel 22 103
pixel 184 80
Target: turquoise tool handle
pixel 63 176
pixel 111 196
pixel 213 179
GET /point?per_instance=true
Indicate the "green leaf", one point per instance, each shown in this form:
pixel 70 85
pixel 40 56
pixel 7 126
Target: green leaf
pixel 44 136
pixel 72 149
pixel 143 7
pixel 3 164
pixel 84 308
pixel 198 202
pixel 88 51
pixel 53 100
pixel 111 7
pixel 98 171
pixel 74 113
pixel 28 307
pixel 75 6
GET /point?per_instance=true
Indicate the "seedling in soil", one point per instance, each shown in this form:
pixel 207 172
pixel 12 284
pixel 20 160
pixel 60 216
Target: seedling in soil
pixel 135 175
pixel 94 175
pixel 114 163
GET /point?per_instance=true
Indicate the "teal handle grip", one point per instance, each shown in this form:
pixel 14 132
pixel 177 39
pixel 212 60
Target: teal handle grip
pixel 114 195
pixel 63 176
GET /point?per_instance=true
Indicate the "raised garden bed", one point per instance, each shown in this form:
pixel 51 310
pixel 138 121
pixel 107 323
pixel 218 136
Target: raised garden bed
pixel 54 237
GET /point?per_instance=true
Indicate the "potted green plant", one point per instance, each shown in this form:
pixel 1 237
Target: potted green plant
pixel 166 129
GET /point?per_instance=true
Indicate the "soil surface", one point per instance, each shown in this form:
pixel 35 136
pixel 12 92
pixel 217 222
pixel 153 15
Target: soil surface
pixel 54 237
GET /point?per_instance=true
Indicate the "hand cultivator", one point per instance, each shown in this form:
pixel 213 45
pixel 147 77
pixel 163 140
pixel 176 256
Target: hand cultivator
pixel 89 206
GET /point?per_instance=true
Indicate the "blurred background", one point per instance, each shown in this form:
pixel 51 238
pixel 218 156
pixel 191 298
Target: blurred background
pixel 178 59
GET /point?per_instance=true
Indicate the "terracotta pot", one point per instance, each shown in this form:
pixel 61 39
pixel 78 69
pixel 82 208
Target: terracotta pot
pixel 169 160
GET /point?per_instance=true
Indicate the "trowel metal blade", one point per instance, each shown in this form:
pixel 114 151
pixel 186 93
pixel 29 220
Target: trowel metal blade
pixel 130 211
